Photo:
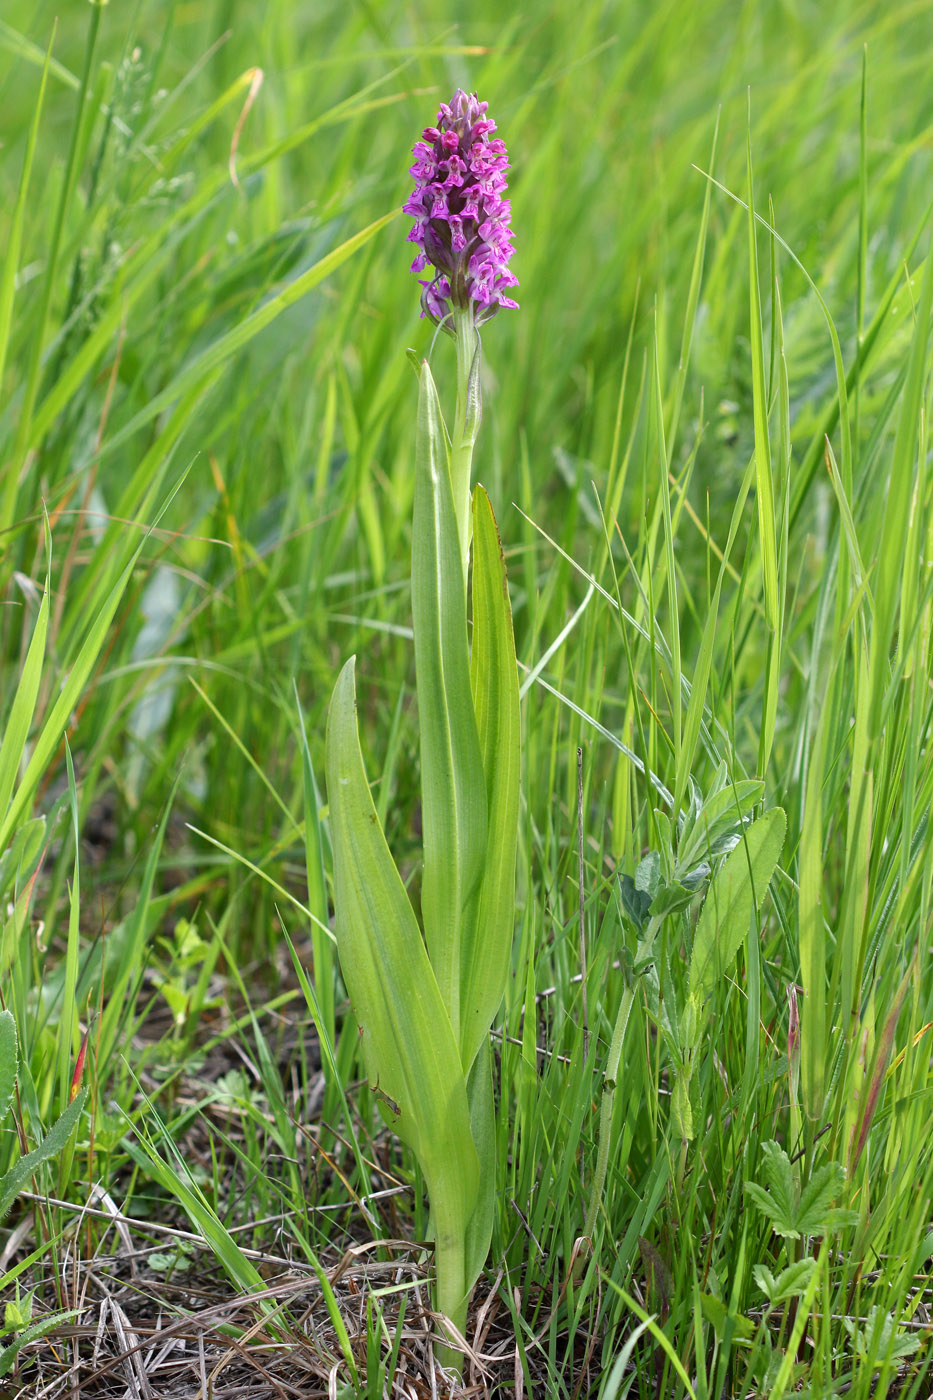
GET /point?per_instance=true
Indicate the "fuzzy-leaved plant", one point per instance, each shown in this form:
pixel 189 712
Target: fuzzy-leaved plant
pixel 425 997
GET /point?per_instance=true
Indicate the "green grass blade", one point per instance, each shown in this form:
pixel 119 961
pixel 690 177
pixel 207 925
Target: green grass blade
pixel 10 266
pixel 55 724
pixel 31 390
pixel 763 477
pixel 813 1011
pixel 175 1180
pixel 24 705
pixel 664 496
pixel 58 718
pixel 226 346
pixel 897 508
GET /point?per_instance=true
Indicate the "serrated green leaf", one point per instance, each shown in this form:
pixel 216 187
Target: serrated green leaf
pixel 54 1142
pixel 721 1318
pixel 486 946
pixel 815 1214
pixel 408 1045
pixel 781 1207
pixel 810 1214
pixel 878 1341
pixel 452 782
pixel 790 1282
pixel 742 878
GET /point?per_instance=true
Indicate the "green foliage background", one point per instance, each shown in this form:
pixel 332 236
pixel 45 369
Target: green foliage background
pixel 165 355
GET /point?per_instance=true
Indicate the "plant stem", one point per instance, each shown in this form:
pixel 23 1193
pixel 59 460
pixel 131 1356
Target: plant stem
pixel 450 1296
pixel 613 1060
pixel 466 425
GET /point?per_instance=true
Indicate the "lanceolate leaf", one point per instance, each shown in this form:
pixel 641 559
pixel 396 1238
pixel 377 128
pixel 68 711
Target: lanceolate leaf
pixel 744 875
pixel 408 1045
pixel 486 946
pixel 54 1142
pixel 483 1127
pixel 453 789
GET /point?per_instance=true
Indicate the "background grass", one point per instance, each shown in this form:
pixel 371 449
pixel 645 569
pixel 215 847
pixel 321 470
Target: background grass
pixel 205 436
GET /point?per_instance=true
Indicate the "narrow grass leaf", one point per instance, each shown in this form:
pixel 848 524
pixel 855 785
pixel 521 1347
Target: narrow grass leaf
pixel 10 267
pixel 24 705
pixel 897 508
pixel 812 932
pixel 222 350
pixel 763 479
pixel 59 717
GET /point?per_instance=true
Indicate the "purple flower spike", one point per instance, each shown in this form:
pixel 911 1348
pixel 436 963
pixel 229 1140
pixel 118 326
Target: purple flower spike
pixel 461 214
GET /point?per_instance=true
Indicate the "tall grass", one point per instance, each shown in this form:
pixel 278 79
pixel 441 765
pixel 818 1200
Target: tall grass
pixel 711 417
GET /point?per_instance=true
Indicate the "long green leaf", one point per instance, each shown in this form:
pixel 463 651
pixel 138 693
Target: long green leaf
pixel 897 509
pixel 812 932
pixel 486 949
pixel 763 479
pixel 54 727
pixel 24 705
pixel 452 783
pixel 408 1046
pixel 222 350
pixel 743 878
pixel 176 1182
pixel 10 267
pixel 483 1127
pixel 50 1146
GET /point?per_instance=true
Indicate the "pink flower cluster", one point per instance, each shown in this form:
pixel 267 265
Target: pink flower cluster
pixel 461 215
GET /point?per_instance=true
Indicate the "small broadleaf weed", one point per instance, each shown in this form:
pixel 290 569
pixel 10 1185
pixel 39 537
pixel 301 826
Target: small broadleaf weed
pixel 792 1213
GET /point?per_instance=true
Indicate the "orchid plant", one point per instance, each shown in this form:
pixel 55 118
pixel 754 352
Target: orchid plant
pixel 425 996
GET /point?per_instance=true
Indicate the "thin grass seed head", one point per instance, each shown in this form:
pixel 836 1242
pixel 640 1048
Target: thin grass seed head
pixel 461 214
